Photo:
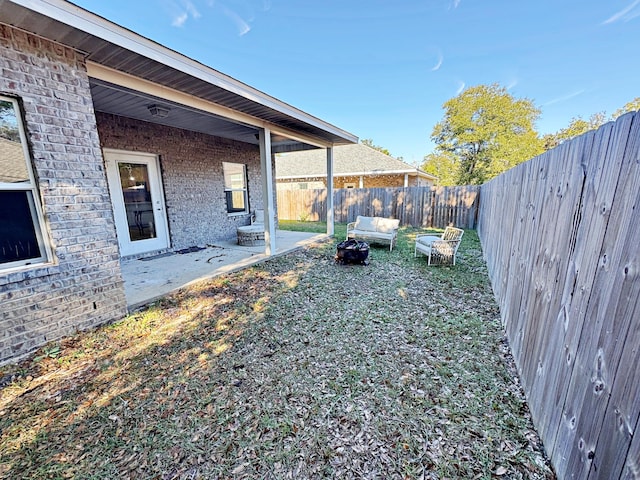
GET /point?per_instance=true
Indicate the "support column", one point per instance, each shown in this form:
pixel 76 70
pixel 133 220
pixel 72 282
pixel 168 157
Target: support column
pixel 266 169
pixel 330 213
pixel 361 185
pixel 406 180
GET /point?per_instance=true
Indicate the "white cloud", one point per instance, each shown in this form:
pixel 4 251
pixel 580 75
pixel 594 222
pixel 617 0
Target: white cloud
pixel 178 20
pixel 565 97
pixel 454 4
pixel 243 27
pixel 439 62
pixel 625 14
pixel 181 13
pixel 191 9
pixel 461 86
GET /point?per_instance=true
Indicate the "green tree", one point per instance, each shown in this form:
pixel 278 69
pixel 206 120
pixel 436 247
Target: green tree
pixel 8 122
pixel 577 126
pixel 369 143
pixel 486 131
pixel 631 106
pixel 443 166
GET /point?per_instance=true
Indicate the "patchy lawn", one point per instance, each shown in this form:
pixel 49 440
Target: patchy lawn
pixel 298 368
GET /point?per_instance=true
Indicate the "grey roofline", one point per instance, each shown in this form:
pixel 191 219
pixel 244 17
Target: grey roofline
pixel 95 25
pixel 418 173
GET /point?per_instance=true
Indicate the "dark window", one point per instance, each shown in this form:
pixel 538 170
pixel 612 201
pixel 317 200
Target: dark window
pixel 17 230
pixel 20 225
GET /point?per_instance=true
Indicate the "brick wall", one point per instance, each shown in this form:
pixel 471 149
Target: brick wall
pixel 191 166
pixel 374 181
pixel 82 287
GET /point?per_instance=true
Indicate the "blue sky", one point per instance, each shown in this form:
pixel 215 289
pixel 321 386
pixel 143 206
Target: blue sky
pixel 381 69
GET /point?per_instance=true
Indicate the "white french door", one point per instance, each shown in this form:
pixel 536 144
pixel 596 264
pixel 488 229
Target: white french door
pixel 138 201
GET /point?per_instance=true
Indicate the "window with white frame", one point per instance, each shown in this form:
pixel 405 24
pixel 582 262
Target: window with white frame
pixel 21 233
pixel 235 187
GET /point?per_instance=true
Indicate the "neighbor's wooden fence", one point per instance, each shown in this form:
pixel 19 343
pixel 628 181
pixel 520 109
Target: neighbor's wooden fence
pixel 434 207
pixel 561 236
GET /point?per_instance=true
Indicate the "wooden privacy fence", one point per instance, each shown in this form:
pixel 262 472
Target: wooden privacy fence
pixel 433 207
pixel 561 236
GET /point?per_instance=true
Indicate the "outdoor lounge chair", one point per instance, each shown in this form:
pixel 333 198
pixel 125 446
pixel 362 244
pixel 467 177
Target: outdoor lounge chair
pixel 376 229
pixel 439 250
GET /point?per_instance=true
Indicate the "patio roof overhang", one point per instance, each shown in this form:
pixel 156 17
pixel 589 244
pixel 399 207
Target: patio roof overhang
pixel 128 73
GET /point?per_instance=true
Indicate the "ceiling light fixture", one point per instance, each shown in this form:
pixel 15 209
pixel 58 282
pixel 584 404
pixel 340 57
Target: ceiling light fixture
pixel 159 111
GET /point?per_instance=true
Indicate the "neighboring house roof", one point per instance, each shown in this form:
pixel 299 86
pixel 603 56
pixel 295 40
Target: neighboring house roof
pixel 348 160
pixel 13 167
pixel 122 64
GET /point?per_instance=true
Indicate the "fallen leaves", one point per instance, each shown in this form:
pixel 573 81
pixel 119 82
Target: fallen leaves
pixel 298 368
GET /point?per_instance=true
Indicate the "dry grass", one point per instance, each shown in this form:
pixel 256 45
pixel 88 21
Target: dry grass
pixel 298 368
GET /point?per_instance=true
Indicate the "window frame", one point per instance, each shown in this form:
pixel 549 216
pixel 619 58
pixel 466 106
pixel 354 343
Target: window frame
pixel 30 188
pixel 230 190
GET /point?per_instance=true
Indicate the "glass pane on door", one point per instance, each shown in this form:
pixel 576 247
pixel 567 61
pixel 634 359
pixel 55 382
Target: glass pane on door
pixel 138 204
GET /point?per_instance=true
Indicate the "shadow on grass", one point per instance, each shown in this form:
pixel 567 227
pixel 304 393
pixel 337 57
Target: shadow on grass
pixel 296 368
pixel 63 413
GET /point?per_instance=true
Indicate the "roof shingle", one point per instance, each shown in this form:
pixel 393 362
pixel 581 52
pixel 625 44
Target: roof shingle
pixel 357 159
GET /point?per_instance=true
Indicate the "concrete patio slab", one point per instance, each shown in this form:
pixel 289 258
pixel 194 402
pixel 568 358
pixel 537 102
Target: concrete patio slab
pixel 147 279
